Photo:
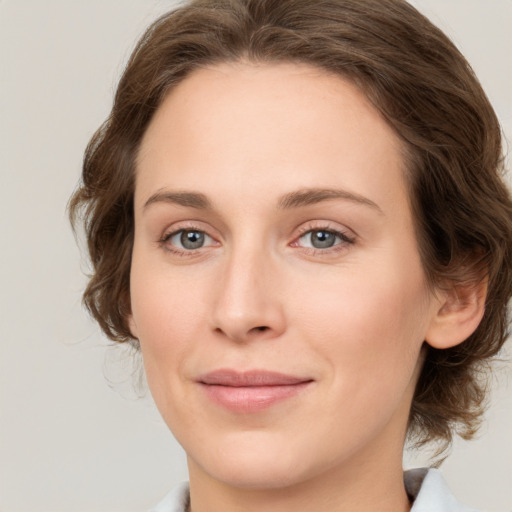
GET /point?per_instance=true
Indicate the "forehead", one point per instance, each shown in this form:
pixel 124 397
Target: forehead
pixel 245 123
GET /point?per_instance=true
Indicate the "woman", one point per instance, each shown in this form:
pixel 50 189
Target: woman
pixel 296 208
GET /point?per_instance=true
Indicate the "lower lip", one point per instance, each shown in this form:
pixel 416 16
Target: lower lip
pixel 252 398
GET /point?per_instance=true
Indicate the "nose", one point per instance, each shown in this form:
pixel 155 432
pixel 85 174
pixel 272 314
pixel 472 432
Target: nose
pixel 249 304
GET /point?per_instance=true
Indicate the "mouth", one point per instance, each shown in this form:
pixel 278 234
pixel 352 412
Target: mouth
pixel 250 391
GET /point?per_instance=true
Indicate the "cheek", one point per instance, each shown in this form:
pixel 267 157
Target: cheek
pixel 371 321
pixel 165 303
pixel 167 314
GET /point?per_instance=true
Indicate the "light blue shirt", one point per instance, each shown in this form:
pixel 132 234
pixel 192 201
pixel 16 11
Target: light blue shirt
pixel 425 486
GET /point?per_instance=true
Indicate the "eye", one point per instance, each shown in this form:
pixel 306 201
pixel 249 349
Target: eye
pixel 319 239
pixel 323 239
pixel 188 239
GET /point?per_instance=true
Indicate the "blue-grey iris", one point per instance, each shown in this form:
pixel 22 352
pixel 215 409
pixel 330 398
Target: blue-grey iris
pixel 192 239
pixel 322 239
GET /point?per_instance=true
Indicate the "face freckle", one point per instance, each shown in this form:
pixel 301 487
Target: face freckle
pixel 281 321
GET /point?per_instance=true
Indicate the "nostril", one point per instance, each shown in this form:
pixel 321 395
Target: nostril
pixel 261 328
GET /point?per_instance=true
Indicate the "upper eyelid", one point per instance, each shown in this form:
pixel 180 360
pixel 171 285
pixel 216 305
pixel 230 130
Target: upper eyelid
pixel 187 225
pixel 171 233
pixel 344 237
pixel 325 226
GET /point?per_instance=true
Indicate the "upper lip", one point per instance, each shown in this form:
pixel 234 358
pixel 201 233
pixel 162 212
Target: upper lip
pixel 251 378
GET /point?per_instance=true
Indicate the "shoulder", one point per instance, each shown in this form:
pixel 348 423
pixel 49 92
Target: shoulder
pixel 176 501
pixel 431 493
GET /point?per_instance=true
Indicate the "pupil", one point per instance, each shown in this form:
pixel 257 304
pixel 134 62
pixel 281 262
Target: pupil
pixel 192 239
pixel 322 239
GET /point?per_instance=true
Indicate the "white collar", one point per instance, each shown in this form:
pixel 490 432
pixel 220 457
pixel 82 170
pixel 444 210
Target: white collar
pixel 430 492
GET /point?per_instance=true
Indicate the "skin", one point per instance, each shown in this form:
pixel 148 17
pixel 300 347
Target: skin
pixel 352 317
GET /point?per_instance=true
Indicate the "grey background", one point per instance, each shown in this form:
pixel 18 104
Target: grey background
pixel 68 440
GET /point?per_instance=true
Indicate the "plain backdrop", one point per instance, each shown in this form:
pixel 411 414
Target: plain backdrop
pixel 72 434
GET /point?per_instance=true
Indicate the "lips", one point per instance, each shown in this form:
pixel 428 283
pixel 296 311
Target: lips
pixel 250 391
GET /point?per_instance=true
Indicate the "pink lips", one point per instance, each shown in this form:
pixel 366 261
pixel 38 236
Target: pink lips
pixel 250 391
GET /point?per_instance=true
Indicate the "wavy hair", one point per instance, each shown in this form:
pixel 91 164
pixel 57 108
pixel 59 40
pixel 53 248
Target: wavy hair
pixel 425 89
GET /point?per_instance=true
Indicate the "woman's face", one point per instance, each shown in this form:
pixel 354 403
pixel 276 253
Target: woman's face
pixel 276 286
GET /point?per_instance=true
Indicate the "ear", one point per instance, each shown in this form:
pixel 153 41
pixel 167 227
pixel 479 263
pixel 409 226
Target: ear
pixel 459 311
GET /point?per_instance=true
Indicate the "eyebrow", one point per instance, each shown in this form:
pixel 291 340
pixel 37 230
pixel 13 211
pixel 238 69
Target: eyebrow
pixel 309 196
pixel 187 199
pixel 297 199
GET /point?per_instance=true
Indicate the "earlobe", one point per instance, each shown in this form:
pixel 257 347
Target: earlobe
pixel 459 312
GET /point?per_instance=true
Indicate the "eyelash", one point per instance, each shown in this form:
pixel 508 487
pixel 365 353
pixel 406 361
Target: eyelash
pixel 344 238
pixel 164 241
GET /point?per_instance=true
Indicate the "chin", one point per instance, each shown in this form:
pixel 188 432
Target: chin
pixel 250 462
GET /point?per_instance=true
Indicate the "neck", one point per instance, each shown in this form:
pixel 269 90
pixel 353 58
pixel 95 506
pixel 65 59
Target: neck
pixel 363 488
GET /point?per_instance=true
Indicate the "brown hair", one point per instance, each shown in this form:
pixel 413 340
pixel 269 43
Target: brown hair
pixel 419 82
